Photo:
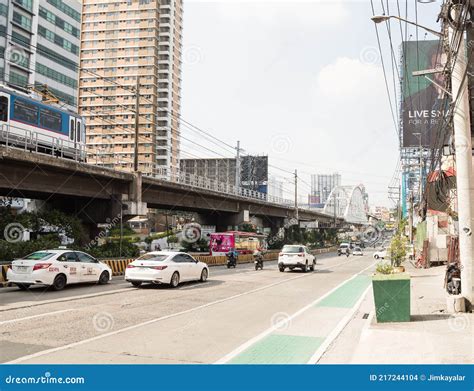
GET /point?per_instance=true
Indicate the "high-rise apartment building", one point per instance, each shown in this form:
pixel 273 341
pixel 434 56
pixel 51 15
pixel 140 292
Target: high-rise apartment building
pixel 39 45
pixel 321 187
pixel 120 42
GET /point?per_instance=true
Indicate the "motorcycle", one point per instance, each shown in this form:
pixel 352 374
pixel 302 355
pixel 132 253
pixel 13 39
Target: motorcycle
pixel 231 260
pixel 452 280
pixel 258 256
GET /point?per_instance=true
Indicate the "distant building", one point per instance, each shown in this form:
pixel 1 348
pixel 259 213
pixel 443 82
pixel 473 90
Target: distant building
pixel 253 171
pixel 222 170
pixel 39 45
pixel 321 187
pixel 275 188
pixel 381 213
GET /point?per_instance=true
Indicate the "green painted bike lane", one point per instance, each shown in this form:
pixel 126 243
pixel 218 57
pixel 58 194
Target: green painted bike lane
pixel 304 334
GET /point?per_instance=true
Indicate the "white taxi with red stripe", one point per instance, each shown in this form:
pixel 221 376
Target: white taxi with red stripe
pixel 57 268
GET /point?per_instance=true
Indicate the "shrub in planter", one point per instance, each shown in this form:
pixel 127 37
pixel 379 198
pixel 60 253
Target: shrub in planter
pixel 398 250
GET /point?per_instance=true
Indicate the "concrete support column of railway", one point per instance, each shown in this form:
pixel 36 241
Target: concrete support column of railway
pixel 131 204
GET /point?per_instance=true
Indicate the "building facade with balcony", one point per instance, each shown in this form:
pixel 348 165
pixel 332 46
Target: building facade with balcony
pixel 123 41
pixel 39 46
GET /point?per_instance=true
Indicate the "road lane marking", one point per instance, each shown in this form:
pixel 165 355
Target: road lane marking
pixel 283 322
pixel 130 288
pixel 148 322
pixel 35 316
pixel 70 298
pixel 337 330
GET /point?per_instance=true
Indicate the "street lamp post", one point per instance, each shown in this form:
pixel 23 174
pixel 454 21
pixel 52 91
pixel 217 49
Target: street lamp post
pixel 383 18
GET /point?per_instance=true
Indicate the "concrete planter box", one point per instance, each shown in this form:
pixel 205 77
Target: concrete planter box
pixel 392 297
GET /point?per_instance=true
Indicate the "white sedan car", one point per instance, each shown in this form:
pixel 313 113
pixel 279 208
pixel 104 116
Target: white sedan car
pixel 57 268
pixel 380 254
pixel 296 256
pixel 166 267
pixel 357 251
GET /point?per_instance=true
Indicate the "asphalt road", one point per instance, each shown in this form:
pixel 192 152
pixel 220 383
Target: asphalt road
pixel 36 295
pixel 196 323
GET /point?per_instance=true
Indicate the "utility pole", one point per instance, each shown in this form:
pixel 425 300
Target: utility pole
pixel 420 184
pixel 237 166
pixel 410 217
pixel 335 208
pixel 137 122
pixel 296 197
pixel 463 145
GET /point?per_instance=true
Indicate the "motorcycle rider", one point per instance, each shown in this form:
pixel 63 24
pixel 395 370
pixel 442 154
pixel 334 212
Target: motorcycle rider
pixel 258 256
pixel 232 257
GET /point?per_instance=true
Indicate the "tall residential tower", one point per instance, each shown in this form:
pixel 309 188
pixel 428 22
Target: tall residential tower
pixel 321 187
pixel 123 40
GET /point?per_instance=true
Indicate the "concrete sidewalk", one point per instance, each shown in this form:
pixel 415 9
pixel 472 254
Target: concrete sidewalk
pixel 433 336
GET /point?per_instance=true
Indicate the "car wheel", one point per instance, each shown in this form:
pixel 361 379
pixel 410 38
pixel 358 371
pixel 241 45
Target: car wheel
pixel 136 284
pixel 23 287
pixel 204 275
pixel 59 282
pixel 174 280
pixel 104 278
pixel 305 267
pixel 281 268
pixel 376 256
pixel 312 266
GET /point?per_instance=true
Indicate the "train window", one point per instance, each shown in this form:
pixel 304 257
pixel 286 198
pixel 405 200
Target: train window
pixel 25 112
pixel 78 133
pixel 50 119
pixel 3 108
pixel 72 129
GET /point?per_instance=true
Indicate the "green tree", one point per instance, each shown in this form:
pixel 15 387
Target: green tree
pixel 201 245
pixel 173 239
pixel 247 227
pixel 113 250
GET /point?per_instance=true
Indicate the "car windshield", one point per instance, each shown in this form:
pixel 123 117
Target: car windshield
pixel 153 257
pixel 357 249
pixel 292 249
pixel 39 255
pixel 343 246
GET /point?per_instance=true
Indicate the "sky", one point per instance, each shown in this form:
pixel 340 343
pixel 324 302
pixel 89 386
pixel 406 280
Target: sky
pixel 299 81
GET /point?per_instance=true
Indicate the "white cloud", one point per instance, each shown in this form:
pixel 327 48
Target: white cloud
pixel 348 78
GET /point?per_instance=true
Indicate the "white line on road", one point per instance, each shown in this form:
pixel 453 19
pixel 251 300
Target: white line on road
pixel 283 322
pixel 35 316
pixel 337 330
pixel 70 298
pixel 10 307
pixel 64 347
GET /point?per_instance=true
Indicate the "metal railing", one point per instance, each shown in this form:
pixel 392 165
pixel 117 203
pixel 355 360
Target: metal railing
pixel 180 177
pixel 14 137
pixel 27 140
